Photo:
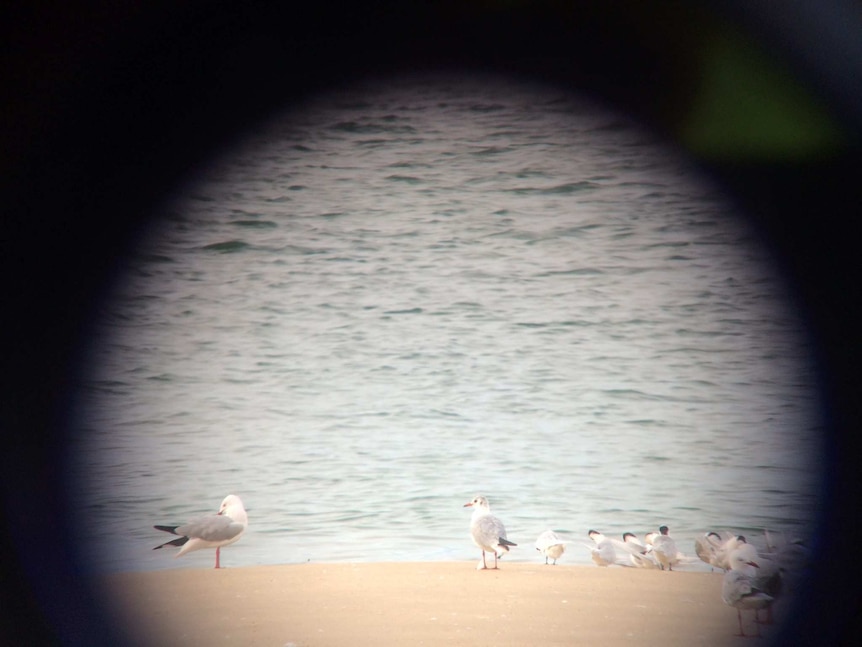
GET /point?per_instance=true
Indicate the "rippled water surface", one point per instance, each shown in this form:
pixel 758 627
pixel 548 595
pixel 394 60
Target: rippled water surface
pixel 403 295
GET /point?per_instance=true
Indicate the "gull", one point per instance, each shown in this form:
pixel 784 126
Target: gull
pixel 210 531
pixel 487 531
pixel 551 545
pixel 767 577
pixel 664 548
pixel 739 590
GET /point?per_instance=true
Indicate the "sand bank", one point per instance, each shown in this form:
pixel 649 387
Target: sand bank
pixel 442 603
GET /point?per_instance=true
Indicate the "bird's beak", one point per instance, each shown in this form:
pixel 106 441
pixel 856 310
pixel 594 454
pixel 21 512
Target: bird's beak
pixel 467 505
pixel 755 564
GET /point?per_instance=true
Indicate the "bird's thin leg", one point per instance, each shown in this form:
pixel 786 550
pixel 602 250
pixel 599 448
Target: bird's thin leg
pixel 484 565
pixel 495 559
pixel 739 616
pixel 218 550
pixel 769 618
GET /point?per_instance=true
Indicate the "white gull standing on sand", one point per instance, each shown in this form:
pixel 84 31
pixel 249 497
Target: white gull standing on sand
pixel 487 531
pixel 738 588
pixel 210 531
pixel 550 544
pixel 767 578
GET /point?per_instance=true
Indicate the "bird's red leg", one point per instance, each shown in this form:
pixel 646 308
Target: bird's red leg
pixel 218 550
pixel 739 616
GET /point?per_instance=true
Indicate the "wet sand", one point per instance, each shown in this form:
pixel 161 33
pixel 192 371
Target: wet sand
pixel 440 603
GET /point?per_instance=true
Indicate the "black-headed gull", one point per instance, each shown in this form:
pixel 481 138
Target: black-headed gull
pixel 550 544
pixel 664 548
pixel 768 576
pixel 210 531
pixel 487 531
pixel 738 588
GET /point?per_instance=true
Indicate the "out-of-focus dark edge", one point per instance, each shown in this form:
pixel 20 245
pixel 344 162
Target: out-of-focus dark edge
pixel 105 108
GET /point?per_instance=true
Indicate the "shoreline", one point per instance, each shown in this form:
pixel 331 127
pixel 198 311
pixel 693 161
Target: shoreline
pixel 422 603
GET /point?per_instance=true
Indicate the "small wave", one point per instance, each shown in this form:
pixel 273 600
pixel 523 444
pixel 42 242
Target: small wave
pixel 409 311
pixel 487 107
pixel 580 271
pixel 407 179
pixel 631 393
pixel 616 125
pixel 491 150
pixel 226 247
pixel 164 377
pixel 646 422
pixel 155 258
pixel 531 324
pixel 560 189
pixel 255 224
pixel 355 127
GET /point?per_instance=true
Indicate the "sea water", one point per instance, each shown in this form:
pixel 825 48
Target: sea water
pixel 403 294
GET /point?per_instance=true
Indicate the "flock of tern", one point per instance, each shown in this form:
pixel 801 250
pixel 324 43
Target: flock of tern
pixel 753 580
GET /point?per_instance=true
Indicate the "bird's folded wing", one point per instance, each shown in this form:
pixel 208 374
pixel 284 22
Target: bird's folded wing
pixel 212 528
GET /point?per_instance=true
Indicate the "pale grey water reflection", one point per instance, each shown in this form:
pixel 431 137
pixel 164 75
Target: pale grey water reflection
pixel 403 295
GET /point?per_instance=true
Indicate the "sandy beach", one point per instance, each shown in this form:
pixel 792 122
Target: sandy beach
pixel 440 603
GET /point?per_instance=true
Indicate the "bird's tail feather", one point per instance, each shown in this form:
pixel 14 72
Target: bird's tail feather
pixel 174 542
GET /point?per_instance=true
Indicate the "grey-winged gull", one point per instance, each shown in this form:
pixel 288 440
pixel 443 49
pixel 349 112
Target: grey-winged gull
pixel 487 531
pixel 210 531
